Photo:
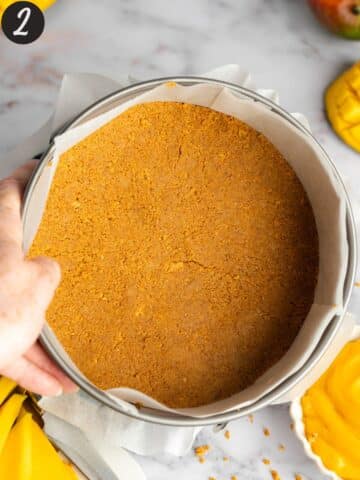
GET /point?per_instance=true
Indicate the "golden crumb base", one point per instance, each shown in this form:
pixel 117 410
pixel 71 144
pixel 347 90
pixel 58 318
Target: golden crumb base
pixel 188 249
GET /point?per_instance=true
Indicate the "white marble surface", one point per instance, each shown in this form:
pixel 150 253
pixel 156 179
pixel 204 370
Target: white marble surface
pixel 279 42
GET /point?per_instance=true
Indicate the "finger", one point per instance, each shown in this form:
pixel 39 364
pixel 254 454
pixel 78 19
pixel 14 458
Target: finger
pixel 23 173
pixel 33 378
pixel 20 329
pixel 18 333
pixel 11 190
pixel 48 276
pixel 38 357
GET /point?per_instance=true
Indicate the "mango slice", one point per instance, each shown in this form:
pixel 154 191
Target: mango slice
pixel 6 387
pixel 342 102
pixel 46 463
pixel 15 459
pixel 8 414
pixel 28 455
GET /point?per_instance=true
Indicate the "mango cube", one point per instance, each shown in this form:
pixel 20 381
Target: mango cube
pixel 342 102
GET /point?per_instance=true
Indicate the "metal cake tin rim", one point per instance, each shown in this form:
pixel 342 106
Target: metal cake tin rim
pixel 157 416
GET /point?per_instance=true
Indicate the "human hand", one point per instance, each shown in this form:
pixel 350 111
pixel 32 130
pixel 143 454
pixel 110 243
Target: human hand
pixel 26 289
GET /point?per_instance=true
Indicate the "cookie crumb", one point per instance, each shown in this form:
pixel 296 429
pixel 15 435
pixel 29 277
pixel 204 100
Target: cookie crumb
pixel 266 432
pixel 292 426
pixel 170 84
pixel 357 284
pixel 266 461
pixel 227 435
pixel 251 418
pixel 225 459
pixel 212 478
pixel 233 477
pixel 275 475
pixel 281 447
pixel 201 451
pixel 298 477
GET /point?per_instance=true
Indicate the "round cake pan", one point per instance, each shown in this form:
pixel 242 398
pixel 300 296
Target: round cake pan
pixel 162 417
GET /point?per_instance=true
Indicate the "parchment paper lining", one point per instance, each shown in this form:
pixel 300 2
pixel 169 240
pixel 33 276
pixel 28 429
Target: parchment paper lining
pixel 326 198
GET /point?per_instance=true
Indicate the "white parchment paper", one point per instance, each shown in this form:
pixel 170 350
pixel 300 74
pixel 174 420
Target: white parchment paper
pixel 325 195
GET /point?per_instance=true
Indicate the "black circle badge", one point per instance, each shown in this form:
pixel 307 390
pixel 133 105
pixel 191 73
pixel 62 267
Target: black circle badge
pixel 23 22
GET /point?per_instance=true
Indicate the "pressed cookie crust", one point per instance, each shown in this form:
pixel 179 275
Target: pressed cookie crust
pixel 189 253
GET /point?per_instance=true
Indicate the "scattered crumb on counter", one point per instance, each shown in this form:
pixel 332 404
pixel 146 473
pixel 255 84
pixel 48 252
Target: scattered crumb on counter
pixel 266 432
pixel 292 426
pixel 357 284
pixel 227 435
pixel 298 477
pixel 266 461
pixel 281 447
pixel 275 475
pixel 212 478
pixel 233 477
pixel 226 459
pixel 251 418
pixel 201 451
pixel 170 84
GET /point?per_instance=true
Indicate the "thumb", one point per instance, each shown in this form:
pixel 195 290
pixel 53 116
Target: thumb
pixel 48 275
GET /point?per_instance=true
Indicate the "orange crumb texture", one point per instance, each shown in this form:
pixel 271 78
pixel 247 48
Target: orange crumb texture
pixel 227 435
pixel 212 478
pixel 275 475
pixel 225 459
pixel 266 461
pixel 233 477
pixel 202 450
pixel 151 218
pixel 170 84
pixel 266 432
pixel 251 418
pixel 281 447
pixel 357 284
pixel 298 477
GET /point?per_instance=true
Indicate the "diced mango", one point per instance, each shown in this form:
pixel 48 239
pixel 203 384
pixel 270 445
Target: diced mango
pixel 6 387
pixel 342 102
pixel 350 110
pixel 355 83
pixel 354 133
pixel 9 412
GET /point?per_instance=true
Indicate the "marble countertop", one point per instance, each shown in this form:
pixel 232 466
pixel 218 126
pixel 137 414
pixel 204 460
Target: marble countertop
pixel 284 48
